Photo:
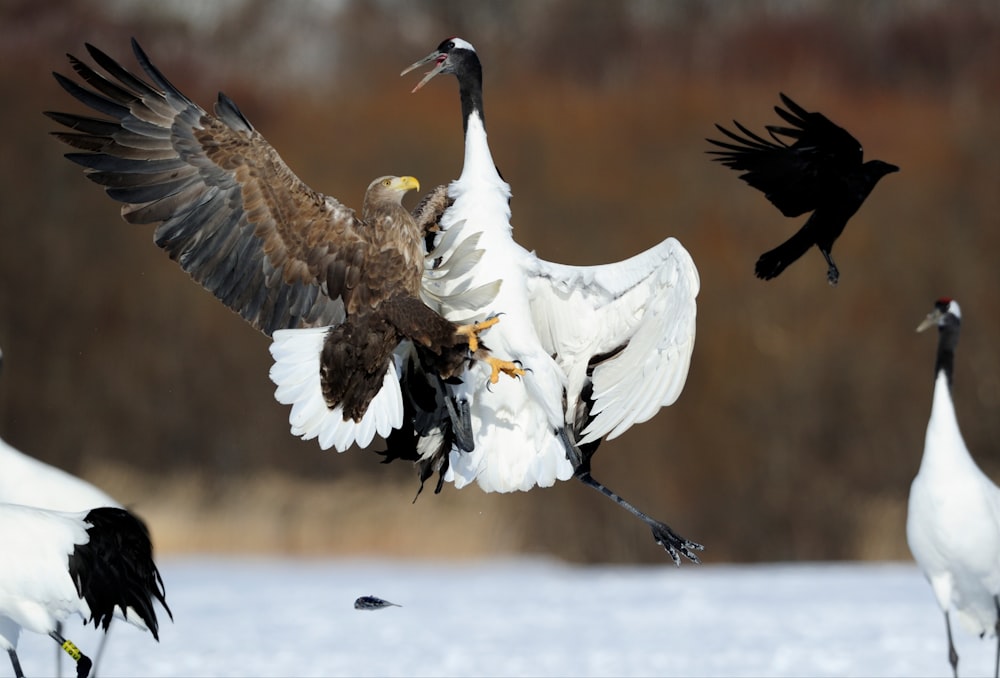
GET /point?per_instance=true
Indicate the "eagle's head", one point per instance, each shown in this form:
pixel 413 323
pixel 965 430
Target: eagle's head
pixel 388 190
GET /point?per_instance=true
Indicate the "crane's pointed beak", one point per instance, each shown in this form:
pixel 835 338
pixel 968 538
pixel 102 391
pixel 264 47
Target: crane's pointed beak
pixel 931 320
pixel 439 59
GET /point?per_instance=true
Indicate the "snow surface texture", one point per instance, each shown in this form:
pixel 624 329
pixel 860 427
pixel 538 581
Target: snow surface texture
pixel 247 617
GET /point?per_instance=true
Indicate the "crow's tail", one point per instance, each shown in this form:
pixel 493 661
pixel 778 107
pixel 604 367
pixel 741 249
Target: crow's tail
pixel 773 262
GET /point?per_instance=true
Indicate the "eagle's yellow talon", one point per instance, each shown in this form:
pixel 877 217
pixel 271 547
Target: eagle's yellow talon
pixel 507 367
pixel 471 332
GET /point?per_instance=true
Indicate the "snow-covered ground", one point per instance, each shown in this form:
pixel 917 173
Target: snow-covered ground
pixel 270 617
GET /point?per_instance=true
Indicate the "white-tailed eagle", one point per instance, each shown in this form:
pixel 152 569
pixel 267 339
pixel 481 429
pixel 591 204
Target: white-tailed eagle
pixel 338 292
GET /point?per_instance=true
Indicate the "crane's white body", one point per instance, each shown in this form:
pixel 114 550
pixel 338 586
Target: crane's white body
pixel 36 591
pixel 555 319
pixel 29 481
pixel 953 522
pixel 953 517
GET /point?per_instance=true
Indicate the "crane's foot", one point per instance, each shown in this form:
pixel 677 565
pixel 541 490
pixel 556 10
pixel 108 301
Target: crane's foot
pixel 675 544
pixel 83 663
pixel 471 331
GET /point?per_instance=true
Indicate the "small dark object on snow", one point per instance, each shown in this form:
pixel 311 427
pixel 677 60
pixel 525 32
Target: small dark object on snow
pixel 372 603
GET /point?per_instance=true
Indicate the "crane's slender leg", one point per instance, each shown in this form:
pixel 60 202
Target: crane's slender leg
pixel 100 648
pixel 59 653
pixel 83 663
pixel 662 532
pixel 996 629
pixel 952 654
pixel 12 653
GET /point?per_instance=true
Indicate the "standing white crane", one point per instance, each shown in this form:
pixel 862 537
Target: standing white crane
pixel 31 482
pixel 604 347
pixel 953 520
pixel 96 563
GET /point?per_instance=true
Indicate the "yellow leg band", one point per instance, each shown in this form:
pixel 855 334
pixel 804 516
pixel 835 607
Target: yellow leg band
pixel 72 650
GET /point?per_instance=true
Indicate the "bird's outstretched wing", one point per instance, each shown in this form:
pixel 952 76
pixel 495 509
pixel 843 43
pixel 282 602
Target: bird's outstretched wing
pixel 629 326
pixel 796 178
pixel 227 208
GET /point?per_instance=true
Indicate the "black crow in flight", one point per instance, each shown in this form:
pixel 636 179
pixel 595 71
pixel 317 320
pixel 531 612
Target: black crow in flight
pixel 821 171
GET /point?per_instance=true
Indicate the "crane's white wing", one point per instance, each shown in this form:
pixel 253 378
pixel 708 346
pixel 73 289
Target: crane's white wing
pixel 632 321
pixel 36 589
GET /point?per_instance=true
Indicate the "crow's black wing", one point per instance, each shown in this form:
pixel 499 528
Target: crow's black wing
pixel 799 177
pixel 824 146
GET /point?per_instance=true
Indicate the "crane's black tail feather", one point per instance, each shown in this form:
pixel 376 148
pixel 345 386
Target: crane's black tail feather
pixel 115 569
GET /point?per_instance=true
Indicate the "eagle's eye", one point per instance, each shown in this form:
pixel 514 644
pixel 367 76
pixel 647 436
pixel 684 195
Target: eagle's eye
pixel 387 182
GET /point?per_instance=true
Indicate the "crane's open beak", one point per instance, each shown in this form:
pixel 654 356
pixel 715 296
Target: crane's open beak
pixel 439 59
pixel 930 321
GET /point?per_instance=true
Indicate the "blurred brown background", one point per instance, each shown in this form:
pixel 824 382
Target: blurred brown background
pixel 803 417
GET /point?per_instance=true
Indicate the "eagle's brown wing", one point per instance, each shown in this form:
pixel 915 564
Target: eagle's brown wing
pixel 227 208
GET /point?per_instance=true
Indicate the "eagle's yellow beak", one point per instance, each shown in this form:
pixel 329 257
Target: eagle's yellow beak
pixel 406 184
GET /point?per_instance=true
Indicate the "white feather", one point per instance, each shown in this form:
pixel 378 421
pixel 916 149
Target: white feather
pixel 36 591
pixel 953 521
pixel 296 374
pixel 953 514
pixel 555 319
pixel 26 480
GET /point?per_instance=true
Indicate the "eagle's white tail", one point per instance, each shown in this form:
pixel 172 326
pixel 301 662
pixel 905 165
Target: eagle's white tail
pixel 295 371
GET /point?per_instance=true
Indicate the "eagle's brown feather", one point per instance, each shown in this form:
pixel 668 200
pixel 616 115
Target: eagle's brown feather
pixel 235 217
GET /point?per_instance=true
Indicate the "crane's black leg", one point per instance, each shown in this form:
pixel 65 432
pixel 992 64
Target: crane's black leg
pixel 83 663
pixel 662 533
pixel 12 653
pixel 100 648
pixel 996 629
pixel 952 654
pixel 59 652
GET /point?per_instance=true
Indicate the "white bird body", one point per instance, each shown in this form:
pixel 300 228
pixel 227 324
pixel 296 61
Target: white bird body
pixel 95 563
pixel 36 592
pixel 43 513
pixel 953 522
pixel 625 329
pixel 29 481
pixel 558 318
pixel 515 422
pixel 953 517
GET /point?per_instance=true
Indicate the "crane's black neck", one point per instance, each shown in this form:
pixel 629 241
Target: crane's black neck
pixel 469 72
pixel 947 341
